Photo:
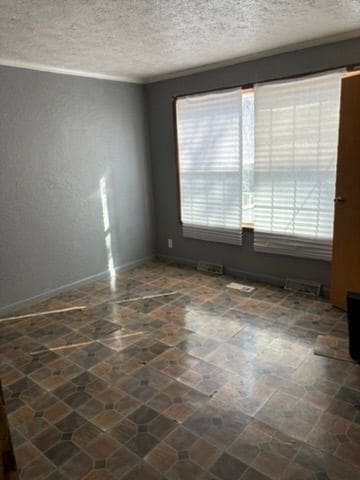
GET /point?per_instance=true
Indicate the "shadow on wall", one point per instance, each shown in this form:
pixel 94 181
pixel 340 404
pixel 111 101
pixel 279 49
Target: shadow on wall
pixel 107 232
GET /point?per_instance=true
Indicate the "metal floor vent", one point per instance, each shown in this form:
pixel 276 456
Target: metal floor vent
pixel 210 268
pixel 302 286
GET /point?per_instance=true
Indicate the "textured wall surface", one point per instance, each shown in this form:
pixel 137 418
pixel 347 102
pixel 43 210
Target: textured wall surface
pixel 59 137
pixel 145 38
pixel 160 112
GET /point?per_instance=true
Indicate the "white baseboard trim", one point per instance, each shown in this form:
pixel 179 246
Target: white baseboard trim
pixel 63 288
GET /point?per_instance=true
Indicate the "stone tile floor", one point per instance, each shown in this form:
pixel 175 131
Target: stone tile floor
pixel 208 383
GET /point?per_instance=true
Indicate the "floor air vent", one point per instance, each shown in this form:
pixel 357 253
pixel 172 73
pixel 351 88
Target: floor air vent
pixel 210 268
pixel 300 286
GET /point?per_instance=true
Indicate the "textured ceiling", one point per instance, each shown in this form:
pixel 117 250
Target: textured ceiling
pixel 142 40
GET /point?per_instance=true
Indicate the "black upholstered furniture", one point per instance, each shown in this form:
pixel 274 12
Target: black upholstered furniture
pixel 353 308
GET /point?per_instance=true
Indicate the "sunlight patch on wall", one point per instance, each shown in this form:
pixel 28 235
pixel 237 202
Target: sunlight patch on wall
pixel 107 231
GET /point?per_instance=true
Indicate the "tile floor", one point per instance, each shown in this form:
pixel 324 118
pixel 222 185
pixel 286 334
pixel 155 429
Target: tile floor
pixel 208 383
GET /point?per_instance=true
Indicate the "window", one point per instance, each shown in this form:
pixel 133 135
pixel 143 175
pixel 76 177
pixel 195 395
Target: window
pixel 262 157
pixel 296 135
pixel 210 165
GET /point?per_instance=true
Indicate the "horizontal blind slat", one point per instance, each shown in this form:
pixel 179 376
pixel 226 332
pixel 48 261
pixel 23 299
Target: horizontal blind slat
pixel 213 234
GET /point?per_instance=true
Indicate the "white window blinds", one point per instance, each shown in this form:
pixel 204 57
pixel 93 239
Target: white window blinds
pixel 296 135
pixel 210 166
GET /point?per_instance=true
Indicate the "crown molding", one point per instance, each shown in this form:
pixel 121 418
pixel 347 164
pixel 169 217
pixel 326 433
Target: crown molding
pixel 65 71
pixel 148 79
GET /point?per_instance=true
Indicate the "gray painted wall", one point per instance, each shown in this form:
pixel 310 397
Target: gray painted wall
pixel 59 135
pixel 159 96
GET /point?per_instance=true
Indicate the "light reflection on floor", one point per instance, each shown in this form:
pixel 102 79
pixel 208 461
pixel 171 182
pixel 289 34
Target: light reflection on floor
pixel 208 383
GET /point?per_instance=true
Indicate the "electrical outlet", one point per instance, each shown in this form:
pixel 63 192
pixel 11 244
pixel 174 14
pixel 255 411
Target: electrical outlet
pixel 170 245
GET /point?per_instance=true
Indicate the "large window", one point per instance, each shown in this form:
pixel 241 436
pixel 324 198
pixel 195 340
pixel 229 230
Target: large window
pixel 262 157
pixel 296 135
pixel 210 165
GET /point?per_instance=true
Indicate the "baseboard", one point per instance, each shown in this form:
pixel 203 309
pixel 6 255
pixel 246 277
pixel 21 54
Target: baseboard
pixel 63 288
pixel 178 260
pixel 235 272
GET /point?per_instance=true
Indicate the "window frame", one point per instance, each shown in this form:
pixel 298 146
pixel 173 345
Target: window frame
pixel 228 235
pixel 175 98
pixel 351 69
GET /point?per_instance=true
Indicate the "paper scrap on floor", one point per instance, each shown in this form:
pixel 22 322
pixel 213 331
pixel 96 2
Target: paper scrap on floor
pixel 147 297
pixel 239 286
pixel 47 312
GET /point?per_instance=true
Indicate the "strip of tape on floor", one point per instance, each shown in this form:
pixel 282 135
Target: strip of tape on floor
pixel 48 312
pixel 147 297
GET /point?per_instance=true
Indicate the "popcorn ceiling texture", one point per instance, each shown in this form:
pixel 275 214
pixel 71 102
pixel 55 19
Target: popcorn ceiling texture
pixel 143 40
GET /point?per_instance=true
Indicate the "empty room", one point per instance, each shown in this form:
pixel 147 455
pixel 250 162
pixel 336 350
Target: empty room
pixel 179 240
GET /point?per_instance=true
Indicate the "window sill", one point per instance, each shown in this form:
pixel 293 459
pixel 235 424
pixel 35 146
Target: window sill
pixel 248 226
